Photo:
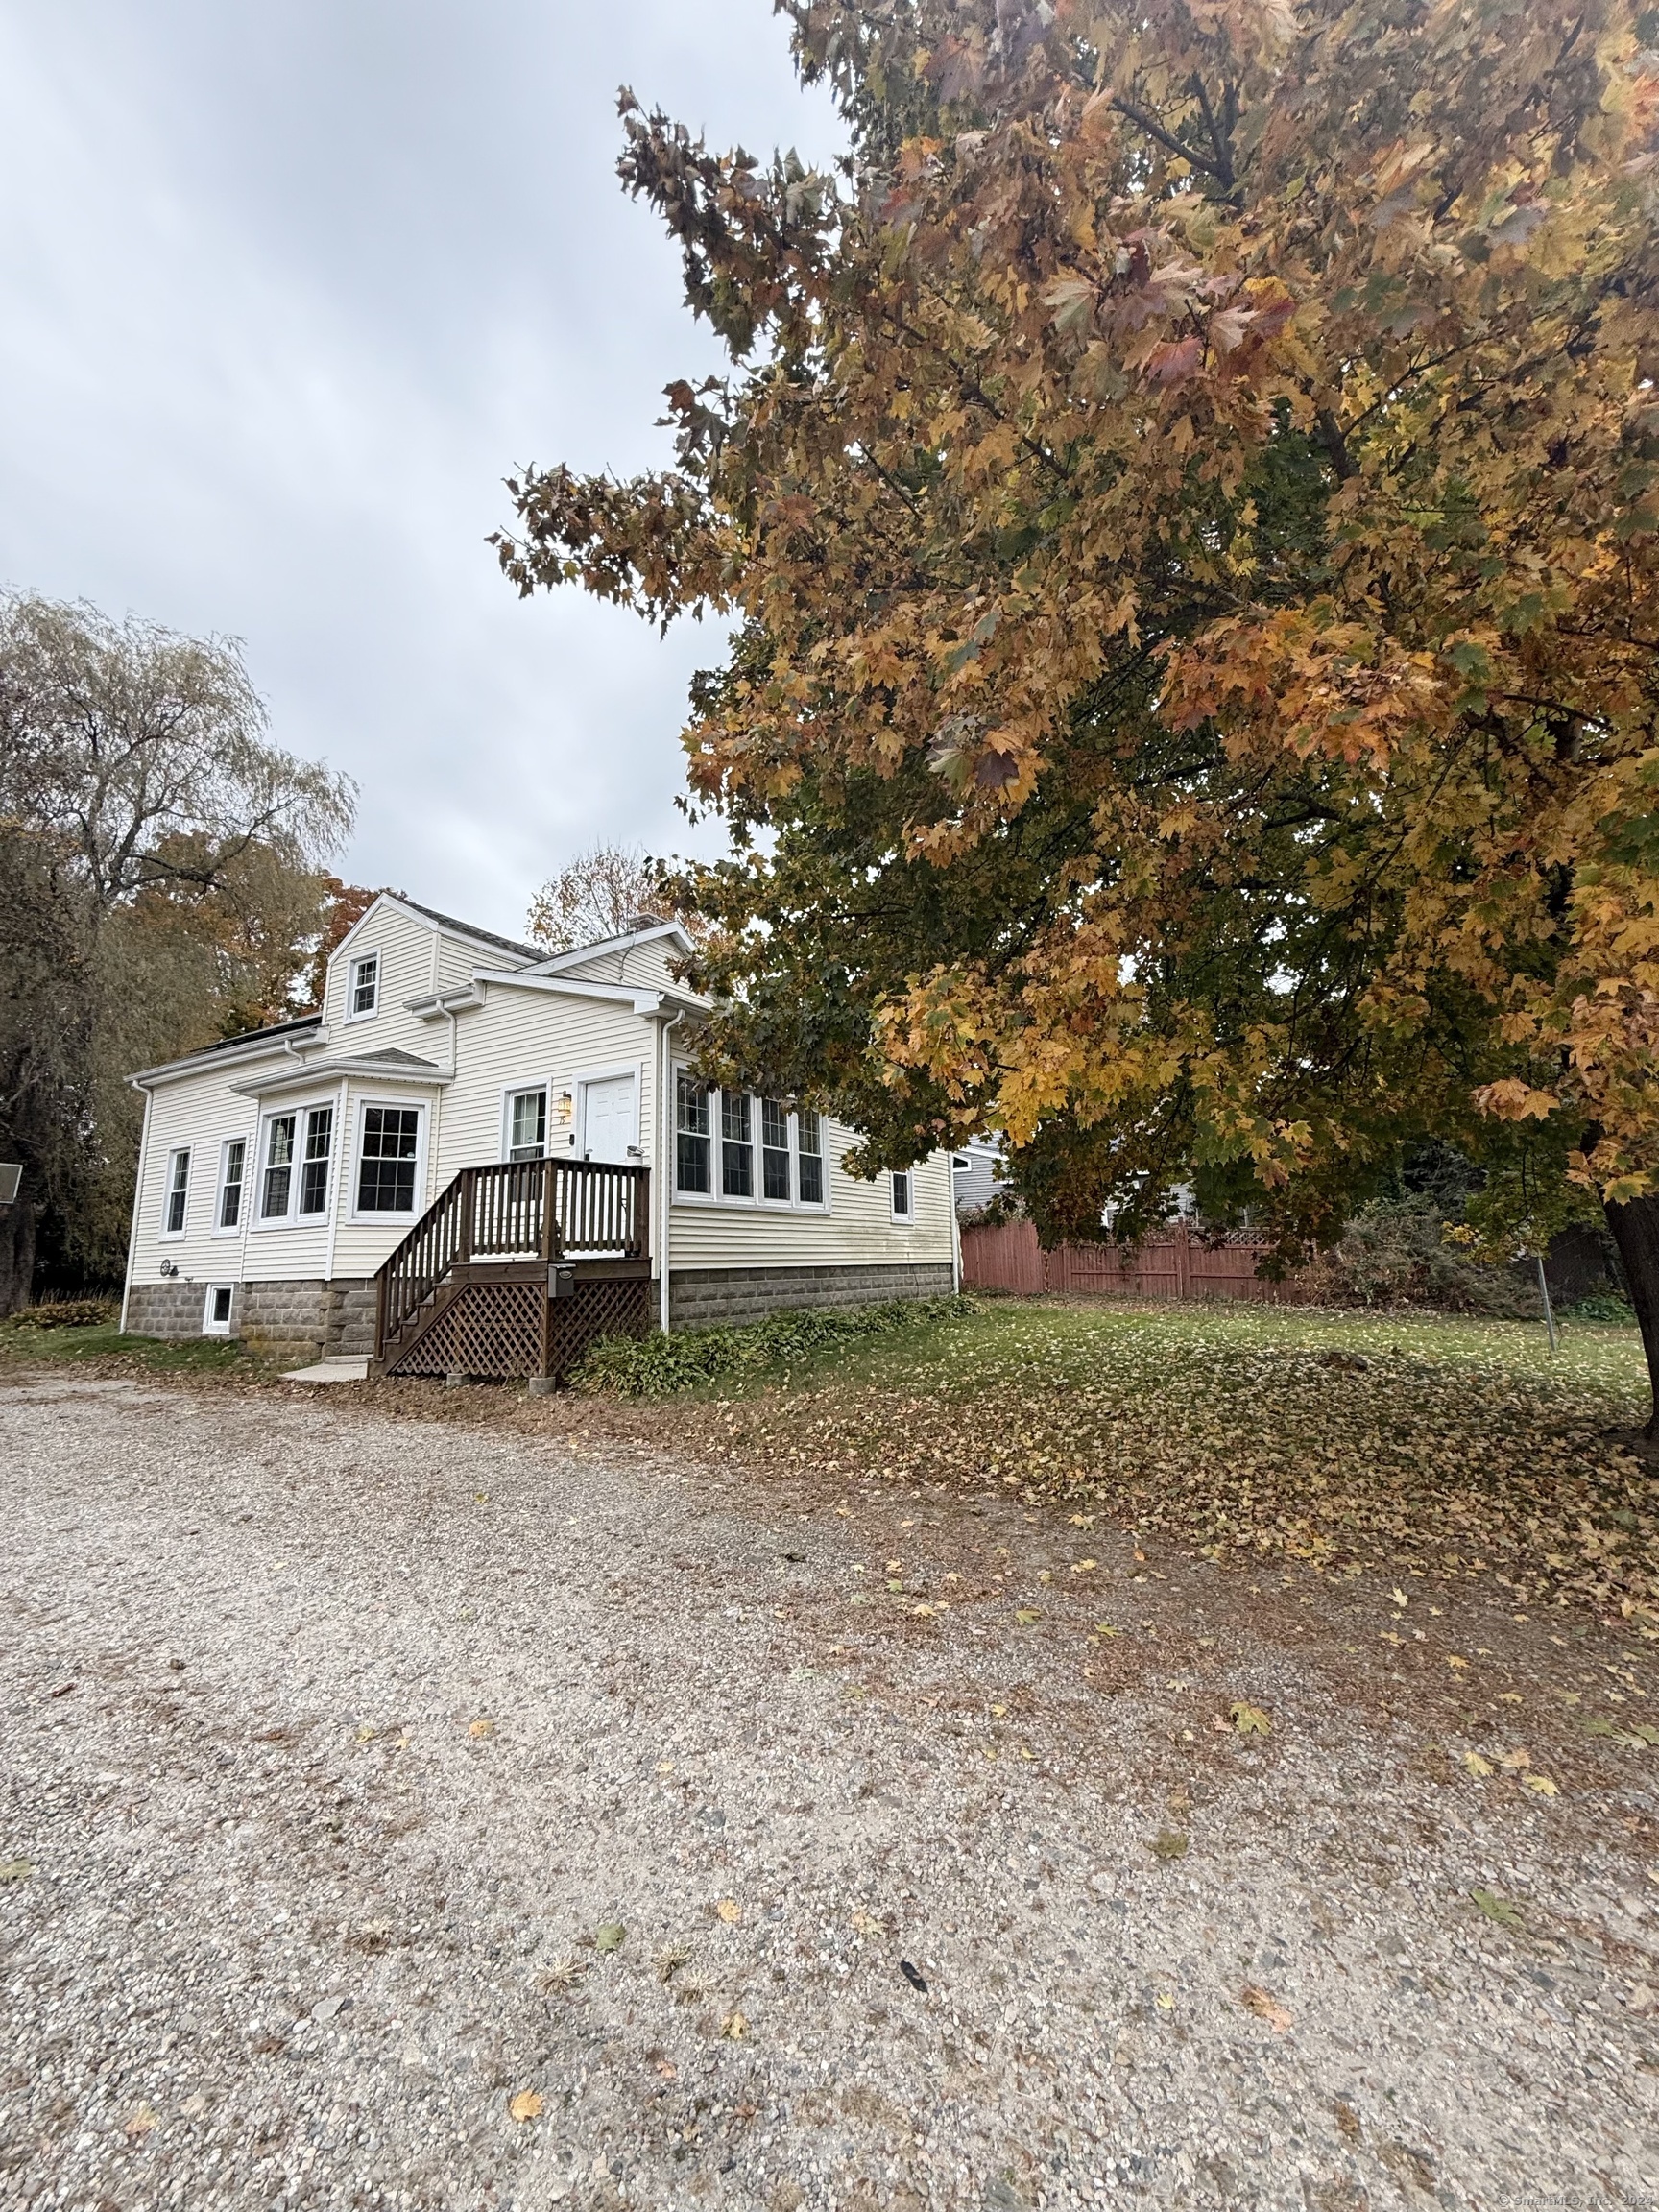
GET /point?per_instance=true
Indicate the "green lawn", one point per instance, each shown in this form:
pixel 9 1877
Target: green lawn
pixel 21 1346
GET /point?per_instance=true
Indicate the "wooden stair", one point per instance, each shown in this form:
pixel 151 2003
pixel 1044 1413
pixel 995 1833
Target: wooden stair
pixel 516 1269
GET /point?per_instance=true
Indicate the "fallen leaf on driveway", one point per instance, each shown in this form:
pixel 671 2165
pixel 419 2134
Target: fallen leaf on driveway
pixel 1477 1765
pixel 1084 1566
pixel 1024 1616
pixel 730 1911
pixel 866 1923
pixel 1249 1720
pixel 1495 1907
pixel 1453 1660
pixel 1168 1843
pixel 1515 1758
pixel 526 2105
pixel 481 1727
pixel 16 1869
pixel 1265 2007
pixel 1541 1783
pixel 611 1938
pixel 733 2027
pixel 142 2123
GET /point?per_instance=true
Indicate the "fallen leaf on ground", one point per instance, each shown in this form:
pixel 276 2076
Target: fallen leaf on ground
pixel 611 1938
pixel 730 1911
pixel 1105 1629
pixel 526 2105
pixel 1515 1759
pixel 1084 1566
pixel 733 2027
pixel 1024 1616
pixel 1265 2007
pixel 1453 1660
pixel 480 1727
pixel 1476 1765
pixel 1495 1907
pixel 867 1924
pixel 1541 1783
pixel 1249 1720
pixel 667 2069
pixel 16 1869
pixel 141 2123
pixel 1168 1843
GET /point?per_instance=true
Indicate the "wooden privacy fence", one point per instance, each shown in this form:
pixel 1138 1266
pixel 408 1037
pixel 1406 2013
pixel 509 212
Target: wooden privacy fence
pixel 1179 1266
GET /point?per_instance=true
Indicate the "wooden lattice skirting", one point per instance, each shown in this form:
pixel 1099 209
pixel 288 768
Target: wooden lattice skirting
pixel 501 1331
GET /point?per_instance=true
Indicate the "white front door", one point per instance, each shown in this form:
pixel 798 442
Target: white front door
pixel 608 1120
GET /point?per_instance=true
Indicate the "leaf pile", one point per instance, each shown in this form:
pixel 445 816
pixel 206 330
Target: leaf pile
pixel 1454 1447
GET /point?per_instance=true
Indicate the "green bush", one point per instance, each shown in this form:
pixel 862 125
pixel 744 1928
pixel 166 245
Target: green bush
pixel 1601 1305
pixel 1394 1254
pixel 657 1366
pixel 65 1313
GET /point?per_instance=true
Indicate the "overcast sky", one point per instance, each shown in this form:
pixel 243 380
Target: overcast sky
pixel 285 291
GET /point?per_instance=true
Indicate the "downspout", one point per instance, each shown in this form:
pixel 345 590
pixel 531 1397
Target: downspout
pixel 955 1226
pixel 137 1202
pixel 665 1166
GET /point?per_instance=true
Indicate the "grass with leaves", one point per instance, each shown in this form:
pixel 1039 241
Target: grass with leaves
pixel 1458 1448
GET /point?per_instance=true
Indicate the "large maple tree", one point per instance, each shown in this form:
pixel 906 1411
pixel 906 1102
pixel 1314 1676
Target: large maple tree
pixel 1187 494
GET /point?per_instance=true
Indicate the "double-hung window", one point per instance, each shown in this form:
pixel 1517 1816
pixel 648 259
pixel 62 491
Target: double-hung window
pixel 363 986
pixel 692 1139
pixel 737 1147
pixel 177 1201
pixel 295 1173
pixel 903 1196
pixel 233 1171
pixel 314 1167
pixel 387 1161
pixel 751 1151
pixel 773 1151
pixel 276 1186
pixel 809 1157
pixel 527 1124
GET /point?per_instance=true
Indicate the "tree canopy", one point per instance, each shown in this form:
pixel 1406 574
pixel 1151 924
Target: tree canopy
pixel 159 886
pixel 1186 493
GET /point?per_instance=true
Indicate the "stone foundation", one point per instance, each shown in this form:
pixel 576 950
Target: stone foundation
pixel 300 1321
pixel 700 1296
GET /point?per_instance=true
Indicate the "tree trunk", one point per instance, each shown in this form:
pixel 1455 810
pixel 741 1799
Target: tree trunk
pixel 16 1256
pixel 1635 1231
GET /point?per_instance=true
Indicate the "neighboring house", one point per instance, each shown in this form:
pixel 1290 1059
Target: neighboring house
pixel 474 1157
pixel 977 1169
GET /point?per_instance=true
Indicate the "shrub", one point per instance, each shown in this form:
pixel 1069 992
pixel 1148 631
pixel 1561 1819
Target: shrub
pixel 65 1313
pixel 1601 1305
pixel 1394 1254
pixel 657 1366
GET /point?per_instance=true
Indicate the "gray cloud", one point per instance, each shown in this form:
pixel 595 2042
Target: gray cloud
pixel 286 291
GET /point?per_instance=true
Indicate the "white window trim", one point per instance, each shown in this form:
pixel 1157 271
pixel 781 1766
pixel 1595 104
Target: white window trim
pixel 187 1153
pixel 907 1219
pixel 755 1203
pixel 579 1085
pixel 359 956
pixel 422 1127
pixel 210 1327
pixel 259 1222
pixel 512 1090
pixel 250 1146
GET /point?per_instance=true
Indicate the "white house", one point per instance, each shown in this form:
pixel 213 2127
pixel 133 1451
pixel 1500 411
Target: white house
pixel 475 1158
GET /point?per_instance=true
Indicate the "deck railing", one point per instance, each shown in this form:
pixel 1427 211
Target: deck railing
pixel 514 1208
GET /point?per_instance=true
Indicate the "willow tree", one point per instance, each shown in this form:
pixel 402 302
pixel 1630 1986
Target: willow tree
pixel 1185 496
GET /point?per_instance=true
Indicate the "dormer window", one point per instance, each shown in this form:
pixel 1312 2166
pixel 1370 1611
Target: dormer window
pixel 363 986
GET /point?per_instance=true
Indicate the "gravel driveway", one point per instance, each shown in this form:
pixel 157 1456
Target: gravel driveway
pixel 372 1780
